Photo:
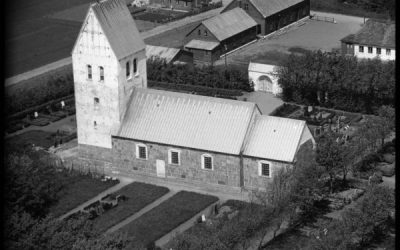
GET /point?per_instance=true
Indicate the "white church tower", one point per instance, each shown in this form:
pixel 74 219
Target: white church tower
pixel 109 62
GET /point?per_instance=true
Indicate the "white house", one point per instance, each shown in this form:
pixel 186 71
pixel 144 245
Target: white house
pixel 375 39
pixel 263 78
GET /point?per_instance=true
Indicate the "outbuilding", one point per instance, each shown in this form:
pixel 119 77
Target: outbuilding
pixel 220 34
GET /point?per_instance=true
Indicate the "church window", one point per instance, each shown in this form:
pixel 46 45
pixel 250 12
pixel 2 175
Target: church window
pixel 264 169
pixel 174 157
pixel 246 6
pixel 207 162
pixel 134 66
pixel 141 151
pixel 89 72
pixel 128 70
pixel 240 4
pixel 101 69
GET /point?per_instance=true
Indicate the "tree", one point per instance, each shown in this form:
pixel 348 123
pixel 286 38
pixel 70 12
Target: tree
pixel 330 155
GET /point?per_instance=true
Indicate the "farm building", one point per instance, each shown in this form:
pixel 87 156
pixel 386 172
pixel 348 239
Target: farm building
pixel 126 128
pixel 170 55
pixel 375 39
pixel 219 34
pixel 263 78
pixel 272 15
pixel 180 4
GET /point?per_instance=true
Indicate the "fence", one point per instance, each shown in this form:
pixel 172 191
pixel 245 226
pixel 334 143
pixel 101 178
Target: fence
pixel 323 18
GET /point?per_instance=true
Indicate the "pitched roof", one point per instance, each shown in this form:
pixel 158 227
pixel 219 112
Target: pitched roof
pixel 375 33
pixel 274 138
pixel 229 23
pixel 261 67
pixel 162 52
pixel 205 123
pixel 119 27
pixel 270 7
pixel 200 44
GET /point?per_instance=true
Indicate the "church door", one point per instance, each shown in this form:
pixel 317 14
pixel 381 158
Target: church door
pixel 160 167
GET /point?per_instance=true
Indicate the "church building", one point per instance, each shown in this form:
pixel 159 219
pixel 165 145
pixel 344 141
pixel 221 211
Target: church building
pixel 126 128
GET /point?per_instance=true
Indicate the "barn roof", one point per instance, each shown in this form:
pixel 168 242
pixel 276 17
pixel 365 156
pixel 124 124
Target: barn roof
pixel 376 33
pixel 119 27
pixel 274 138
pixel 270 7
pixel 162 52
pixel 229 23
pixel 185 120
pixel 200 44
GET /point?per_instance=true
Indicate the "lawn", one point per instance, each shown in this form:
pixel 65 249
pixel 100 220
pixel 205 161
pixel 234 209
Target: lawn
pixel 77 189
pixel 168 215
pixel 138 196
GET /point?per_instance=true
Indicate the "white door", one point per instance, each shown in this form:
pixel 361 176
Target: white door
pixel 160 166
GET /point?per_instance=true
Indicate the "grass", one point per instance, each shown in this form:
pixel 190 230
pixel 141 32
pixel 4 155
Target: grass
pixel 167 216
pixel 289 240
pixel 77 189
pixel 139 195
pixel 336 6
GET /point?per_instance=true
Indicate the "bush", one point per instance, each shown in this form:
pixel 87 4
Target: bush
pixel 235 78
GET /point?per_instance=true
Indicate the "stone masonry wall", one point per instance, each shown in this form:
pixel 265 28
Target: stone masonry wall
pixel 226 168
pixel 252 179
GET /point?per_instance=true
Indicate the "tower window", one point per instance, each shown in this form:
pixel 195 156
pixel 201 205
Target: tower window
pixel 96 103
pixel 101 69
pixel 89 72
pixel 134 66
pixel 95 125
pixel 128 70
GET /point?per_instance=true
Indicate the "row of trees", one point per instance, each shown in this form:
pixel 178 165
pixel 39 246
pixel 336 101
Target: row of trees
pixel 334 81
pixel 32 186
pixel 23 98
pixel 216 77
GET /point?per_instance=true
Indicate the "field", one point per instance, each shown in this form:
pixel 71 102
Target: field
pixel 311 36
pixel 138 196
pixel 167 216
pixel 76 190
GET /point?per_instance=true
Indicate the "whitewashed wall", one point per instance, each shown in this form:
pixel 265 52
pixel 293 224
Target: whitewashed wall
pixel 366 55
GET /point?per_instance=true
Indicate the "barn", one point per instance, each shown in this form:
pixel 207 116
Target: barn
pixel 170 55
pixel 220 34
pixel 272 15
pixel 263 78
pixel 125 128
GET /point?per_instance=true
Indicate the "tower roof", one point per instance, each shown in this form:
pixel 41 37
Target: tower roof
pixel 119 27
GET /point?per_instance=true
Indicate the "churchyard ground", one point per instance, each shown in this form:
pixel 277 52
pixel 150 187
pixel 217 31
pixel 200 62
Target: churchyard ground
pixel 138 195
pixel 166 217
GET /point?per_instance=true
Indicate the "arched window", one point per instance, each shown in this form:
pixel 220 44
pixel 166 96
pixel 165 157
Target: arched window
pixel 128 69
pixel 205 33
pixel 89 72
pixel 134 66
pixel 101 69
